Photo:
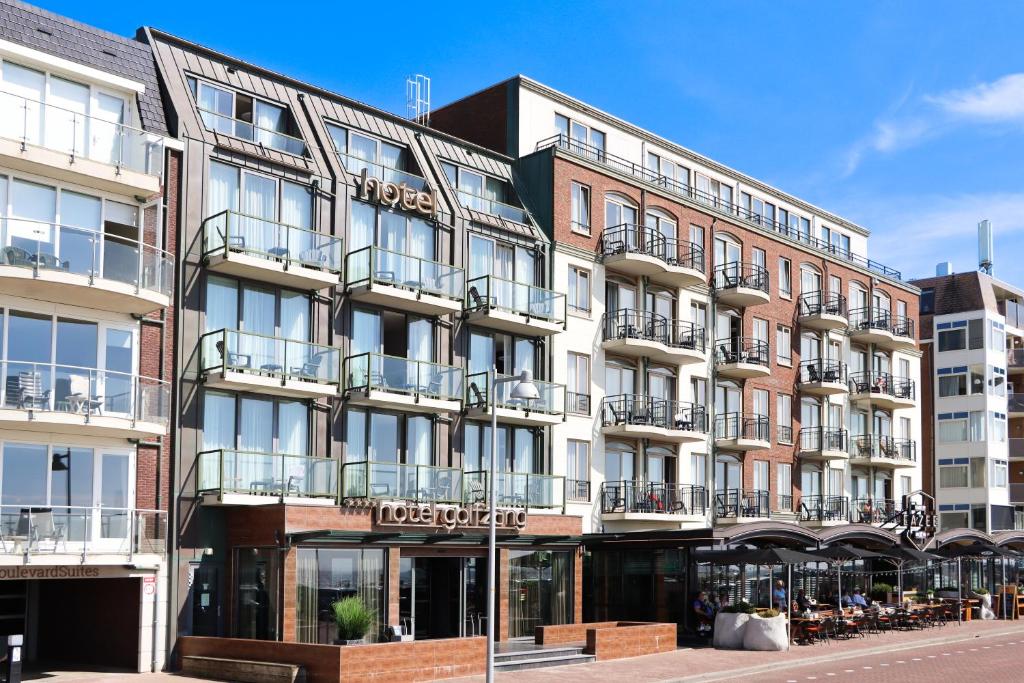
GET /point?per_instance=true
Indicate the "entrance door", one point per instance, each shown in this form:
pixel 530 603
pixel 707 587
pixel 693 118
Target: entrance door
pixel 540 590
pixel 205 592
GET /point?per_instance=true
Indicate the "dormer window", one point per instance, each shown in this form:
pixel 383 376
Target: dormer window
pixel 482 192
pixel 246 117
pixel 381 159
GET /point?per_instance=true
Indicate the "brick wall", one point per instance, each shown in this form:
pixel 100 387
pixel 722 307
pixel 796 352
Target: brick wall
pixel 626 639
pixel 926 397
pixel 481 118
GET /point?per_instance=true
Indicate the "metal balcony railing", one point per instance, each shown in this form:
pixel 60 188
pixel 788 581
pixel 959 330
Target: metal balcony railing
pixel 394 374
pixel 245 130
pixel 260 354
pixel 1016 447
pixel 741 503
pixel 1015 402
pixel 52 387
pixel 883 447
pixel 29 530
pixel 32 122
pixel 784 502
pixel 228 471
pixel 822 370
pixel 733 426
pixel 627 323
pixel 880 319
pixel 821 508
pixel 389 174
pixel 629 238
pixel 393 480
pixel 577 403
pixel 373 265
pixel 490 292
pixel 577 490
pixel 658 498
pixel 883 384
pixel 784 433
pixel 634 409
pixel 231 231
pixel 737 274
pixel 822 303
pixel 818 439
pixel 551 400
pixel 742 350
pixel 517 489
pixel 874 511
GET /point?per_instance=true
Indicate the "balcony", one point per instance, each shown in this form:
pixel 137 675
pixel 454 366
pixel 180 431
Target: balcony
pixel 822 377
pixel 268 251
pixel 883 451
pixel 642 334
pixel 882 390
pixel 493 207
pixel 63 535
pixel 369 480
pixel 1017 494
pixel 820 444
pixel 514 307
pixel 387 278
pixel 83 267
pixel 741 284
pixel 738 505
pixel 1016 448
pixel 1015 404
pixel 229 477
pixel 823 311
pixel 245 361
pixel 742 357
pixel 1013 311
pixel 63 399
pixel 653 502
pixel 577 490
pixel 880 327
pixel 742 432
pixel 547 410
pixel 821 510
pixel 355 166
pixel 250 132
pixel 874 511
pixel 638 250
pixel 516 490
pixel 646 417
pixel 395 383
pixel 1015 361
pixel 58 143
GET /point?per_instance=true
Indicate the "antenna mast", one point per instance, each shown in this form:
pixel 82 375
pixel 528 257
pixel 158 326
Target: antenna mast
pixel 417 98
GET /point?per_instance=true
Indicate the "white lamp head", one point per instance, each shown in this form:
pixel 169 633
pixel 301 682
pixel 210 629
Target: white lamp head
pixel 525 389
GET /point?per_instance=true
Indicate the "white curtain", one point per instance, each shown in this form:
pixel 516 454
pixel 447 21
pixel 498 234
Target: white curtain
pixel 364 220
pixel 293 429
pixel 393 238
pixel 221 304
pixel 269 120
pixel 259 202
pixel 258 311
pixel 419 450
pixel 21 111
pixel 297 211
pixel 223 196
pixel 66 118
pixel 38 205
pixel 256 439
pixel 481 256
pixel 108 141
pixel 218 432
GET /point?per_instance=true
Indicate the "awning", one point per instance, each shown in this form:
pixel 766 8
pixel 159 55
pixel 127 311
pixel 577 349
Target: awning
pixel 402 538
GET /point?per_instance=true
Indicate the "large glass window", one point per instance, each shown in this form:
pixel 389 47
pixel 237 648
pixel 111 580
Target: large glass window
pixel 243 116
pixel 325 576
pixel 517 449
pixel 255 423
pixel 540 580
pixel 388 437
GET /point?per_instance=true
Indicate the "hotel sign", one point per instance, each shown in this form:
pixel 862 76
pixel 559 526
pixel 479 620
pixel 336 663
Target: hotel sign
pixel 396 196
pixel 401 513
pixel 918 519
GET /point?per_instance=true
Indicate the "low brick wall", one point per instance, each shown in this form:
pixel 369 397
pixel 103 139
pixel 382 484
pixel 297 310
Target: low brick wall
pixel 568 633
pixel 424 660
pixel 627 639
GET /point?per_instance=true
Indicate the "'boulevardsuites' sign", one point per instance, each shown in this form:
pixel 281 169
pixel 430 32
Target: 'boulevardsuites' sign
pixel 399 513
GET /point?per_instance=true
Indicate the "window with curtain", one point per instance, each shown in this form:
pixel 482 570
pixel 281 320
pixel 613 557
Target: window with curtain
pixel 325 576
pixel 388 437
pixel 258 424
pixel 951 431
pixel 516 449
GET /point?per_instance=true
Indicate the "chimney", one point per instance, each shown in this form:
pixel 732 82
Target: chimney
pixel 944 268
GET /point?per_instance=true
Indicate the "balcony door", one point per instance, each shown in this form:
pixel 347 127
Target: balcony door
pixel 393 340
pixel 810 481
pixel 810 281
pixel 810 414
pixel 728 399
pixel 662 303
pixel 620 462
pixel 619 379
pixel 810 347
pixel 728 252
pixel 661 465
pixel 727 473
pixel 618 297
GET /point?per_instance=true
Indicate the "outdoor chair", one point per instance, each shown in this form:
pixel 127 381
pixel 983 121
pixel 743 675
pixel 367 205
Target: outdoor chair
pixel 50 262
pixel 36 524
pixel 82 397
pixel 313 257
pixel 478 397
pixel 812 374
pixel 234 360
pixel 640 413
pixel 476 491
pixel 15 256
pixel 310 369
pixel 479 301
pixel 25 390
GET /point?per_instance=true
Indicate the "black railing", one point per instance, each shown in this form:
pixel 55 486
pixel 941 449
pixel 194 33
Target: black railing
pixel 883 384
pixel 628 238
pixel 627 323
pixel 784 433
pixel 824 509
pixel 738 274
pixel 576 403
pixel 902 326
pixel 577 490
pixel 883 447
pixel 784 502
pixel 740 426
pixel 880 319
pixel 653 498
pixel 683 189
pixel 822 303
pixel 874 511
pixel 740 503
pixel 817 439
pixel 822 370
pixel 633 409
pixel 742 350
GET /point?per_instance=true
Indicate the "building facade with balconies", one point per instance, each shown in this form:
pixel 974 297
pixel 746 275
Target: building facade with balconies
pixel 972 338
pixel 88 213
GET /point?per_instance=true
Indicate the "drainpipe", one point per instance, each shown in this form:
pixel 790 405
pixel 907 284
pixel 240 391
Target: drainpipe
pixel 709 338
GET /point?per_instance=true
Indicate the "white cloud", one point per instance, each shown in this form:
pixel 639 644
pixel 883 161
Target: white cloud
pixel 999 101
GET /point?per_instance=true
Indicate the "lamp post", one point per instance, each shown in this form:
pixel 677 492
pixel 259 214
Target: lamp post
pixel 525 390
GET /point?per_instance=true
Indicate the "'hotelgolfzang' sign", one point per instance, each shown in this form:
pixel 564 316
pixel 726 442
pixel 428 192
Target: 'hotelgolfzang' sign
pixel 399 513
pixel 397 196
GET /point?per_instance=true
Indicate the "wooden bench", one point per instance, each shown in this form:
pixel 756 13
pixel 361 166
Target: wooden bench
pixel 242 670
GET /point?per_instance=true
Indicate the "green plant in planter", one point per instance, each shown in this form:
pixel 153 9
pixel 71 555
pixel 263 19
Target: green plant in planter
pixel 981 591
pixel 768 614
pixel 739 608
pixel 880 591
pixel 352 618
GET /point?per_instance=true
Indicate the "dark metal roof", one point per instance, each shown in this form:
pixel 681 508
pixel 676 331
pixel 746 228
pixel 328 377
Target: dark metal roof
pixel 77 42
pixel 412 538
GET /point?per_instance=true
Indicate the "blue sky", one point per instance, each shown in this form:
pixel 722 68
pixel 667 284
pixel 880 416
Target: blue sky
pixel 906 117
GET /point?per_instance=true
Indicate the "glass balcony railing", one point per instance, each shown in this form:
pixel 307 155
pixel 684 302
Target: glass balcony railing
pixel 266 474
pixel 225 350
pixel 83 531
pixel 355 165
pixel 551 400
pixel 400 481
pixel 376 265
pixel 376 371
pixel 50 387
pixel 245 130
pixel 487 292
pixel 31 122
pixel 88 252
pixel 231 231
pixel 493 207
pixel 632 409
pixel 653 498
pixel 1013 311
pixel 517 489
pixel 824 509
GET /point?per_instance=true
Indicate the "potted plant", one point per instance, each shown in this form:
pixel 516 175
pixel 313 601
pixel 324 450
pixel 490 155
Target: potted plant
pixel 353 620
pixel 766 631
pixel 730 622
pixel 882 592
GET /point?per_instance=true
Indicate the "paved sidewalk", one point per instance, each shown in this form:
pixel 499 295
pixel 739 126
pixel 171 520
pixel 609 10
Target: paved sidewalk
pixel 707 664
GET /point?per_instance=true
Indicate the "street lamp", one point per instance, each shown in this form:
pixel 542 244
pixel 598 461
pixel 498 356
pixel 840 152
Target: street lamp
pixel 524 390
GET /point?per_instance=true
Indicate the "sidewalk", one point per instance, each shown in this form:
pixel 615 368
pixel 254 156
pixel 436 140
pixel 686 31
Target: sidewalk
pixel 708 664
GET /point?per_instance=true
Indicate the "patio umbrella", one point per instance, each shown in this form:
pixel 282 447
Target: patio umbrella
pixel 839 554
pixel 982 551
pixel 899 556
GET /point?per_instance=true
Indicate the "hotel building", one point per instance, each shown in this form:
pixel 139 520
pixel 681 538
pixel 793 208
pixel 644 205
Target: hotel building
pixel 88 184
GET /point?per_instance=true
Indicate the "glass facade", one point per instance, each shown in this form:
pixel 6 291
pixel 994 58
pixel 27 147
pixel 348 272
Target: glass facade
pixel 540 590
pixel 326 575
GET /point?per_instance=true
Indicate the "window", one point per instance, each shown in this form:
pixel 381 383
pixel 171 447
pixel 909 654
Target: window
pixel 952 431
pixel 325 575
pixel 517 449
pixel 976 333
pixel 256 424
pixel 699 469
pixel 998 427
pixel 953 476
pixel 579 383
pixel 578 469
pixel 784 344
pixel 580 138
pixel 262 200
pixel 952 340
pixel 953 385
pixel 619 462
pixel 697 237
pixel 758 257
pixel 676 174
pixel 927 300
pixel 381 159
pixel 997 337
pixel 484 193
pixel 837 242
pixel 761 402
pixel 579 290
pixel 244 116
pixel 713 192
pixel 999 473
pixel 580 220
pixel 784 417
pixel 978 473
pixel 761 475
pixel 388 438
pixel 784 486
pixel 785 277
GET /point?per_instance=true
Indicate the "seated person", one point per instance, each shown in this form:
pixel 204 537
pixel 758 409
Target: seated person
pixel 723 599
pixel 802 601
pixel 859 599
pixel 847 600
pixel 702 607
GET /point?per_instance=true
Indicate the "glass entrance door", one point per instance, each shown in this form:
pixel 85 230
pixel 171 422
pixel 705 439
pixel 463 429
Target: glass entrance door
pixel 540 590
pixel 443 597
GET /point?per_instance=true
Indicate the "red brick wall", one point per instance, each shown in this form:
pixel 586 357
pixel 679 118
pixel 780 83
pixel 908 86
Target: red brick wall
pixel 926 398
pixel 481 118
pixel 321 662
pixel 627 639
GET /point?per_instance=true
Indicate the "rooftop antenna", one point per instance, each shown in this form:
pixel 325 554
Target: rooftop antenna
pixel 417 98
pixel 985 246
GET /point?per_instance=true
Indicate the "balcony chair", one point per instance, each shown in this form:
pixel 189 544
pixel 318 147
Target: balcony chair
pixel 640 413
pixel 728 355
pixel 479 301
pixel 311 368
pixel 433 388
pixel 234 360
pixel 313 257
pixel 81 398
pixel 683 422
pixel 15 256
pixel 36 525
pixel 50 262
pixel 25 390
pixel 812 374
pixel 614 498
pixel 478 396
pixel 476 492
